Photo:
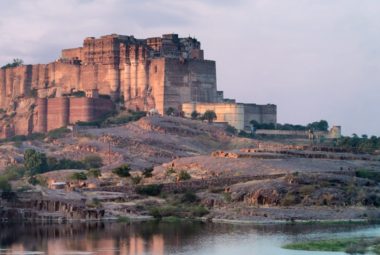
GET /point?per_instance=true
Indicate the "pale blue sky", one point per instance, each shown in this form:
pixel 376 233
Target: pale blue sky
pixel 315 59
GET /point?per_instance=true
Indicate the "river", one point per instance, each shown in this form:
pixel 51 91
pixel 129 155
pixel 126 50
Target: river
pixel 183 238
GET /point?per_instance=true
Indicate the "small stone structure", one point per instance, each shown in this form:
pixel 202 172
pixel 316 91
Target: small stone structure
pixel 237 115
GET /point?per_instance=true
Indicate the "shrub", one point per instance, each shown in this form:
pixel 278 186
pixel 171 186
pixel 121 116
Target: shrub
pixel 54 164
pixel 147 173
pixel 92 161
pixel 368 174
pixel 136 179
pixel 194 115
pixel 227 197
pixel 79 176
pixel 164 211
pixel 122 171
pixel 231 130
pixel 170 111
pixel 124 118
pixel 170 171
pixel 14 172
pixel 58 133
pixel 149 190
pixel 4 184
pixel 37 180
pixel 183 176
pixel 95 203
pixel 289 199
pixel 78 94
pixel 93 172
pixel 189 197
pixel 199 211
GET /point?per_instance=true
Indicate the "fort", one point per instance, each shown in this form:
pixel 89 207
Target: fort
pixel 141 74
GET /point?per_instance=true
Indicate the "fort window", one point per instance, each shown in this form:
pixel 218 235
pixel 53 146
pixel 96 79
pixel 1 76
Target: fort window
pixel 155 69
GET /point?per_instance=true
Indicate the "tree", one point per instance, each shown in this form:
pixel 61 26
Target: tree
pixel 16 62
pixel 122 171
pixel 35 162
pixel 321 125
pixel 194 115
pixel 209 115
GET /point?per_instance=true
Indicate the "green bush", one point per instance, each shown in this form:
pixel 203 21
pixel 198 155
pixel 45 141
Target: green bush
pixel 194 115
pixel 183 176
pixel 58 133
pixel 124 117
pixel 37 180
pixel 189 197
pixel 147 173
pixel 170 171
pixel 230 129
pixel 368 174
pixel 14 172
pixel 164 211
pixel 136 179
pixel 149 190
pixel 4 184
pixel 55 164
pixel 93 172
pixel 92 161
pixel 199 211
pixel 79 176
pixel 78 94
pixel 122 171
pixel 289 199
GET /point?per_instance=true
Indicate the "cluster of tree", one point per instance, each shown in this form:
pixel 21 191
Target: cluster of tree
pixel 124 172
pixel 363 144
pixel 16 62
pixel 37 162
pixel 321 125
pixel 209 115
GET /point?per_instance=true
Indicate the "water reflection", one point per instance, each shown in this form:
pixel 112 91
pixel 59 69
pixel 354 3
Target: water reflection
pixel 151 237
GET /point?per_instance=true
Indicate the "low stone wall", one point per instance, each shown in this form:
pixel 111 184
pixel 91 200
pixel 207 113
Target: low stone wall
pixel 195 184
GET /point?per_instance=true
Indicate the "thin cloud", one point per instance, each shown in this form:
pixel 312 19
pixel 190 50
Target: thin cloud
pixel 315 59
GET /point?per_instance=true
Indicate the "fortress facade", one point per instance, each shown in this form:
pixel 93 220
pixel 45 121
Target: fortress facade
pixel 143 74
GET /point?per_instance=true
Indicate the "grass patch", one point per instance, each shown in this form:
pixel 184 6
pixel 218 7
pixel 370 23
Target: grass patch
pixel 171 219
pixel 368 174
pixel 123 219
pixel 348 245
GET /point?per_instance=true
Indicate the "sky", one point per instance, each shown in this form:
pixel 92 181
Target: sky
pixel 315 59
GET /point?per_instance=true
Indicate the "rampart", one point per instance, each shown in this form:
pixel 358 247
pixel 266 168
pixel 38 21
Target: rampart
pixel 59 112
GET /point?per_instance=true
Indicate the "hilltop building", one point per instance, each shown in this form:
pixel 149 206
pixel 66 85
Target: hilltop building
pixel 143 74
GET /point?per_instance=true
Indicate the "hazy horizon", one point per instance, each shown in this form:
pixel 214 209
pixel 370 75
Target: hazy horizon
pixel 315 59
